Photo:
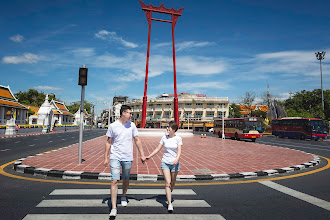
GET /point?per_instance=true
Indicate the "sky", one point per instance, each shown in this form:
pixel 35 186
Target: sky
pixel 223 48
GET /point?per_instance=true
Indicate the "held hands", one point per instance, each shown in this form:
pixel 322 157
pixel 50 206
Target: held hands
pixel 143 159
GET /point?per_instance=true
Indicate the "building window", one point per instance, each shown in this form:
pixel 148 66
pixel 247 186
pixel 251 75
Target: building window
pixel 210 114
pixel 167 115
pixel 198 114
pixel 159 106
pixel 187 105
pixel 168 106
pixel 180 106
pixel 158 115
pixel 199 105
pixel 210 105
pixel 150 107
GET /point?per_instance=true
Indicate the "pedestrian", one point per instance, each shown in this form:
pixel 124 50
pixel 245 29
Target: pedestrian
pixel 170 164
pixel 17 128
pixel 119 150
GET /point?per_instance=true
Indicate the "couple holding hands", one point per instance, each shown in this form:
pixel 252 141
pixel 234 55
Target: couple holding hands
pixel 119 154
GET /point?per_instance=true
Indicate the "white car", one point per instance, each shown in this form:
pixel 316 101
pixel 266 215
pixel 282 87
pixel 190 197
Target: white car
pixel 211 130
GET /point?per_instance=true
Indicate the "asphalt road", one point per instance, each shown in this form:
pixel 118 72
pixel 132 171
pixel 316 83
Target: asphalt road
pixel 303 197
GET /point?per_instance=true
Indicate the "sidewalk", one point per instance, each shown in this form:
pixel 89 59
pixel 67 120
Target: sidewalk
pixel 202 158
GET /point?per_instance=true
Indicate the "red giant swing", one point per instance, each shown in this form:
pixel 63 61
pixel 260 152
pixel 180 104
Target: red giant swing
pixel 148 9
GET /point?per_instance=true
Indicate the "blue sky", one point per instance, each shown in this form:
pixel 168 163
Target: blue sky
pixel 223 48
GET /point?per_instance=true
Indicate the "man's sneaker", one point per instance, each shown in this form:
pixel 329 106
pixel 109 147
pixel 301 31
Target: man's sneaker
pixel 113 213
pixel 170 208
pixel 123 201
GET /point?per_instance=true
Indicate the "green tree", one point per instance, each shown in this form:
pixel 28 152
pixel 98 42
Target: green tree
pixel 309 104
pixel 75 106
pixel 234 111
pixel 33 97
pixel 259 113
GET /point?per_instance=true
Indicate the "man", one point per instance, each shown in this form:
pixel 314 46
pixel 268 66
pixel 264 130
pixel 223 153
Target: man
pixel 119 148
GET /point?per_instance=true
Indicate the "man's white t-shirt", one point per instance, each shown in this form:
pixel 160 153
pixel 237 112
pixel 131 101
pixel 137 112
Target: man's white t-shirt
pixel 121 143
pixel 171 148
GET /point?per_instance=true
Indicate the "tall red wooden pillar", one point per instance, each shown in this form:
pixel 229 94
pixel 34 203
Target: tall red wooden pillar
pixel 176 103
pixel 148 9
pixel 144 104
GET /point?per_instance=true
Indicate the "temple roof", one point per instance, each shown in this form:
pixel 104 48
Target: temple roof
pixel 61 108
pixel 12 104
pixel 33 108
pixel 5 93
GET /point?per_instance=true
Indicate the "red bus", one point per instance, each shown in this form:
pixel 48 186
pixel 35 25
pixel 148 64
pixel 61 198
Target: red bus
pixel 297 127
pixel 237 128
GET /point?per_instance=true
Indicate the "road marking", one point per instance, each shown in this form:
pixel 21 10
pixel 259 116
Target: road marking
pixel 31 145
pixel 123 216
pixel 314 148
pixel 129 191
pixel 63 139
pixel 131 202
pixel 299 195
pixel 2 172
pixel 5 150
pixel 17 142
pixel 50 141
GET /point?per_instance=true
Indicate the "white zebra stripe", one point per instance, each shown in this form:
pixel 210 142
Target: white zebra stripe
pixel 131 203
pixel 129 191
pixel 123 216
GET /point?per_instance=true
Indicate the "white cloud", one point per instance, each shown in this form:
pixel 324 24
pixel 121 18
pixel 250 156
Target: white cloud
pixel 25 58
pixel 191 44
pixel 112 36
pixel 184 45
pixel 288 63
pixel 17 38
pixel 83 52
pixel 132 65
pixel 47 88
pixel 200 65
pixel 205 85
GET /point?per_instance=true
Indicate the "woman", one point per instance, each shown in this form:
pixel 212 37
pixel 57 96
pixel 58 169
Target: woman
pixel 170 163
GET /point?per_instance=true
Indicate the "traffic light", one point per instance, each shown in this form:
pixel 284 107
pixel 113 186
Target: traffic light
pixel 82 76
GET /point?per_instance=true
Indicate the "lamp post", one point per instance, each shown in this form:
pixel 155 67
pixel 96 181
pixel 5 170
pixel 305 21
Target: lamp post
pixel 223 123
pixel 82 82
pixel 108 103
pixel 320 57
pixel 188 119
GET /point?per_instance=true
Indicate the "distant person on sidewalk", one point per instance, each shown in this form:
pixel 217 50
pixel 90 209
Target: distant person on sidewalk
pixel 170 164
pixel 119 149
pixel 17 128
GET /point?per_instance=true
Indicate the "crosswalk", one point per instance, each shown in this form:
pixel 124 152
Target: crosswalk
pixel 63 200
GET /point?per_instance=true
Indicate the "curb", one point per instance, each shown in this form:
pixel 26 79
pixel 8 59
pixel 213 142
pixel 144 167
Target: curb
pixel 21 168
pixel 33 134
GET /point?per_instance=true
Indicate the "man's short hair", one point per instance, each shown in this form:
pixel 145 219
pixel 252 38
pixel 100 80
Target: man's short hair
pixel 124 108
pixel 173 125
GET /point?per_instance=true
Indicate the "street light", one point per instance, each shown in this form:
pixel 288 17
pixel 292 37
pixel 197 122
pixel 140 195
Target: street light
pixel 223 123
pixel 320 57
pixel 188 118
pixel 109 103
pixel 82 82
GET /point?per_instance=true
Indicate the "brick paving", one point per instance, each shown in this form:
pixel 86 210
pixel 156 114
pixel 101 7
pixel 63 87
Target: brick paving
pixel 200 156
